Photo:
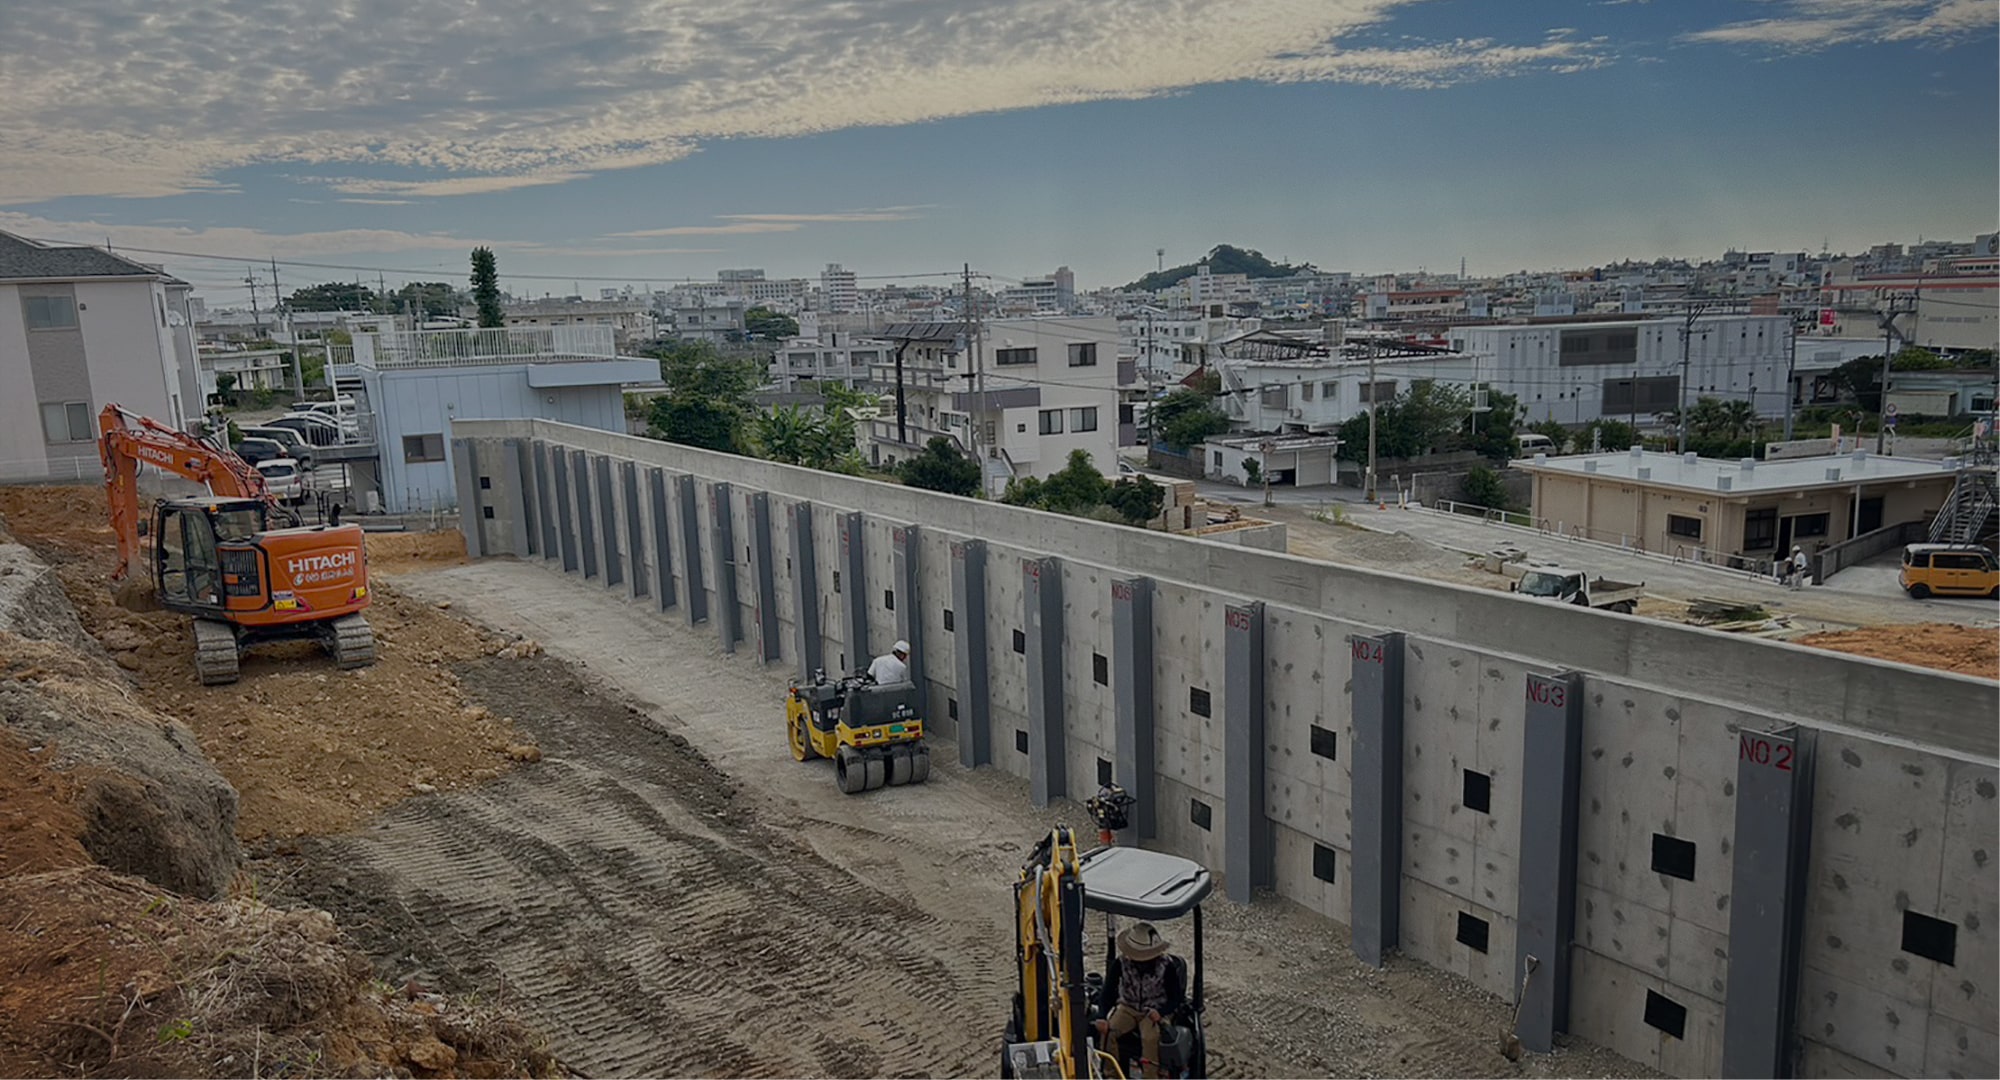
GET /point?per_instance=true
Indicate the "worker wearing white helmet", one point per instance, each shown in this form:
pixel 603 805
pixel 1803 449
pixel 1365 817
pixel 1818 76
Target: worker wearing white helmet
pixel 893 667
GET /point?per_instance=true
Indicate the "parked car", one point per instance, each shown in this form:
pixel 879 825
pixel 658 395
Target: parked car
pixel 285 479
pixel 254 451
pixel 1949 570
pixel 339 410
pixel 317 430
pixel 295 445
pixel 1566 586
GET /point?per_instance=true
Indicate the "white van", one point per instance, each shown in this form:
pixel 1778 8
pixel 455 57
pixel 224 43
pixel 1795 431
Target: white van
pixel 1534 442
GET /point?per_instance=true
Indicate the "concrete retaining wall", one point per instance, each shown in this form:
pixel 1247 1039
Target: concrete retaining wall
pixel 1862 927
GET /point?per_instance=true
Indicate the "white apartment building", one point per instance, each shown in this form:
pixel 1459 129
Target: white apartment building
pixel 838 290
pixel 81 328
pixel 628 319
pixel 1576 372
pixel 1284 383
pixel 802 362
pixel 1953 312
pixel 1162 342
pixel 716 321
pixel 1051 386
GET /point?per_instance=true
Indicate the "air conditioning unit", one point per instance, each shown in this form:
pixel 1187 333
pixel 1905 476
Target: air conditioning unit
pixel 1295 413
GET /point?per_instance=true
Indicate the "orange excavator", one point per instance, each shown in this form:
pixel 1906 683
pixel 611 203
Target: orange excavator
pixel 219 558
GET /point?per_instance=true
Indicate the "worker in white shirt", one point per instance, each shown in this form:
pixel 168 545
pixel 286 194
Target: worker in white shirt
pixel 892 668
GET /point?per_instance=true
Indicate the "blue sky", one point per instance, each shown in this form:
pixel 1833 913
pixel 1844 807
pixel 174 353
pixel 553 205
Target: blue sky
pixel 656 139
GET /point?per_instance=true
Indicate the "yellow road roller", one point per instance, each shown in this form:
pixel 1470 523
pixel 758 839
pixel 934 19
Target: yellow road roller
pixel 873 732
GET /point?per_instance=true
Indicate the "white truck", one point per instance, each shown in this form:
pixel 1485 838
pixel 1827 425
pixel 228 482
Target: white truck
pixel 1566 586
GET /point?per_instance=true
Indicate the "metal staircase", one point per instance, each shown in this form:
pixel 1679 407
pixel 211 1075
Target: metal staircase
pixel 1973 501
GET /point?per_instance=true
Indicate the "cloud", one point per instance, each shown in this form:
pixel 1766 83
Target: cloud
pixel 378 202
pixel 734 229
pixel 742 224
pixel 244 243
pixel 1808 25
pixel 437 98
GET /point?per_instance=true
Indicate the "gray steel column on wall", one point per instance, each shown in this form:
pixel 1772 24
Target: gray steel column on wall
pixel 1551 766
pixel 852 584
pixel 805 591
pixel 1132 695
pixel 1250 861
pixel 905 541
pixel 1767 897
pixel 697 595
pixel 1041 597
pixel 635 527
pixel 723 524
pixel 766 576
pixel 517 480
pixel 968 598
pixel 465 470
pixel 1377 880
pixel 565 508
pixel 546 493
pixel 586 512
pixel 607 510
pixel 663 548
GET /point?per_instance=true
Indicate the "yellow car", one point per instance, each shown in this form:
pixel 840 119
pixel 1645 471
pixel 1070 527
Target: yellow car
pixel 1949 570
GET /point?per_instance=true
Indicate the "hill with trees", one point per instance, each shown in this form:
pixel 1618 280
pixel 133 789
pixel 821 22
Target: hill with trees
pixel 1222 259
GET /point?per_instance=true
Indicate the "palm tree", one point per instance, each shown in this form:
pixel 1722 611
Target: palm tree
pixel 1738 419
pixel 785 434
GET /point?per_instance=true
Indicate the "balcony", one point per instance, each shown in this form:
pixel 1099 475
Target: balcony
pixel 403 349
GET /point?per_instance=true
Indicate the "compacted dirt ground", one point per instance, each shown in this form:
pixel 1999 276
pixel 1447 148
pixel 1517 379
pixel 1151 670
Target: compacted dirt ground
pixel 666 891
pixel 1967 650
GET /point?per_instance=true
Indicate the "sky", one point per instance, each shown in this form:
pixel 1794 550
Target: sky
pixel 645 141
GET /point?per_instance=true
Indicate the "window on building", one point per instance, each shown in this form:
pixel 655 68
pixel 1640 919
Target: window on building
pixel 1680 525
pixel 1329 391
pixel 1218 460
pixel 66 421
pixel 1083 354
pixel 1052 422
pixel 418 449
pixel 1083 419
pixel 1275 397
pixel 1760 529
pixel 1808 525
pixel 1305 391
pixel 49 312
pixel 1378 392
pixel 1010 357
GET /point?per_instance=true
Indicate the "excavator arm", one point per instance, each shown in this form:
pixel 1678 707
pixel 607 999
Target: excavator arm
pixel 127 440
pixel 1048 935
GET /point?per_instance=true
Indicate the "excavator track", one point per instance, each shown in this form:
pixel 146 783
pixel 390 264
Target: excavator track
pixel 215 652
pixel 352 642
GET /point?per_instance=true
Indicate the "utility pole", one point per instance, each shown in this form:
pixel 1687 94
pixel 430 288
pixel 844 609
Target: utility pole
pixel 1791 374
pixel 256 317
pixel 1368 489
pixel 1687 338
pixel 902 431
pixel 976 374
pixel 278 302
pixel 1888 324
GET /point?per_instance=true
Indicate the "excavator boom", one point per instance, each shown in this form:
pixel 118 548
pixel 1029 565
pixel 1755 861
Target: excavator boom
pixel 128 440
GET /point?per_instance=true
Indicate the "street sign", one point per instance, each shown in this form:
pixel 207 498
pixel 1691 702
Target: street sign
pixel 1889 415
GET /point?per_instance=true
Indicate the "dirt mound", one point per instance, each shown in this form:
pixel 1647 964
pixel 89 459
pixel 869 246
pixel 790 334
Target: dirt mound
pixel 310 749
pixel 1967 650
pixel 39 822
pixel 392 552
pixel 32 603
pixel 109 977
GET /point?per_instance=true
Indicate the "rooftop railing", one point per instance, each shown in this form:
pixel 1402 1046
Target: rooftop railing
pixel 468 348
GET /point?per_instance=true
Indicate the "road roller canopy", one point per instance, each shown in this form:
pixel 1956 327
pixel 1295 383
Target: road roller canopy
pixel 1143 884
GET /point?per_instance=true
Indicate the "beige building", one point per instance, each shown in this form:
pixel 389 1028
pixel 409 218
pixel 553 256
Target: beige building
pixel 1706 508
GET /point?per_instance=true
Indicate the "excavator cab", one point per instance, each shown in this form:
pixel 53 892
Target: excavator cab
pixel 1159 888
pixel 205 551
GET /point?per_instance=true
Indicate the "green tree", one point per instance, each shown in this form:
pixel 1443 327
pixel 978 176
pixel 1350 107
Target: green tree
pixel 1555 432
pixel 1607 434
pixel 486 287
pixel 332 296
pixel 1076 487
pixel 940 467
pixel 707 402
pixel 1482 487
pixel 1492 433
pixel 1861 380
pixel 1137 501
pixel 765 323
pixel 1185 417
pixel 1912 358
pixel 428 298
pixel 1253 471
pixel 786 434
pixel 225 382
pixel 1428 416
pixel 1221 259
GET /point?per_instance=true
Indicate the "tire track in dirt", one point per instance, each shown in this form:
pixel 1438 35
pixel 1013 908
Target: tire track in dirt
pixel 622 896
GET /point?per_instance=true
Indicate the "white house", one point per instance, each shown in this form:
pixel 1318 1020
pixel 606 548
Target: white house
pixel 81 328
pixel 1311 383
pixel 1050 386
pixel 801 362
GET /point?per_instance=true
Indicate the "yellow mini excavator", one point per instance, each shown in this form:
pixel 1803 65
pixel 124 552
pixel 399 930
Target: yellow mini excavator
pixel 1051 1032
pixel 873 732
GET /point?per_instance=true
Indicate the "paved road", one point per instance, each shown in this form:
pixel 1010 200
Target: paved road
pixel 1861 596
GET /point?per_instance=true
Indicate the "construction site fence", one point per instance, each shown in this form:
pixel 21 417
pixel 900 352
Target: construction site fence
pixel 1691 555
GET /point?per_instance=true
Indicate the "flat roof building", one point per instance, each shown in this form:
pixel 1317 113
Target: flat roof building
pixel 1713 509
